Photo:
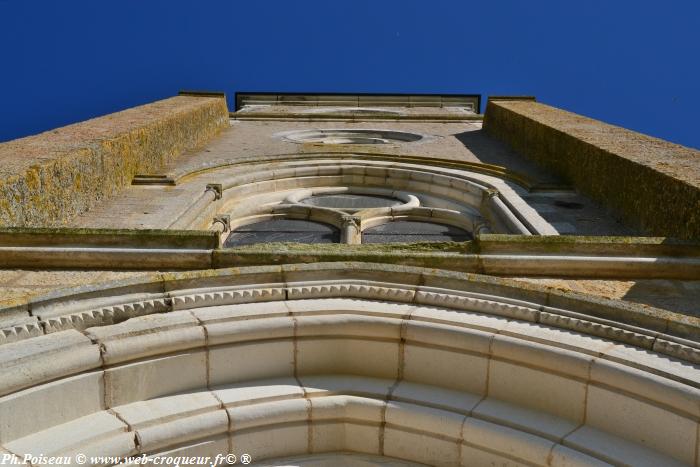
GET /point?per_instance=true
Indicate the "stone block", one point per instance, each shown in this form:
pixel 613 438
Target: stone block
pixel 289 440
pixel 34 361
pixel 648 386
pixel 183 429
pixel 351 325
pixel 100 434
pixel 565 457
pixel 240 331
pixel 537 390
pixel 200 449
pixel 465 318
pixel 420 447
pixel 347 408
pixel 642 423
pixel 253 417
pixel 149 335
pixel 162 409
pixel 211 315
pixel 435 422
pixel 532 421
pixel 338 435
pixel 545 357
pixel 471 456
pixel 271 429
pixel 354 356
pixel 57 402
pixel 511 443
pixel 251 392
pixel 345 423
pixel 250 361
pixel 445 368
pixel 647 360
pixel 157 377
pixel 349 305
pixel 325 385
pixel 615 450
pixel 452 338
pixel 436 397
pixel 561 338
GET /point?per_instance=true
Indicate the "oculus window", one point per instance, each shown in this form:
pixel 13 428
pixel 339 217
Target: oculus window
pixel 351 201
pixel 358 136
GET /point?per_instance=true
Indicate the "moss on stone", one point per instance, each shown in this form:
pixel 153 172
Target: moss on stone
pixel 51 177
pixel 646 182
pixel 123 238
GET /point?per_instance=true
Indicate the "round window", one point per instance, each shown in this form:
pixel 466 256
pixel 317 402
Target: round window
pixel 350 136
pixel 351 201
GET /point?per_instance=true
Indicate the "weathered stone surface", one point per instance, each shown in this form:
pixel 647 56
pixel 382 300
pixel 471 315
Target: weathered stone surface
pixel 354 377
pixel 648 182
pixel 298 356
pixel 48 178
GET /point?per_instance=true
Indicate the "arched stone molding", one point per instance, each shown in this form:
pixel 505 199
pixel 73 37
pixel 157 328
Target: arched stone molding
pixel 280 377
pixel 528 369
pixel 185 172
pixel 472 194
pixel 361 219
pixel 113 302
pixel 294 211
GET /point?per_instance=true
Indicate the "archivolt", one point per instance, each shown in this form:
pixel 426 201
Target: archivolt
pixel 451 193
pixel 436 368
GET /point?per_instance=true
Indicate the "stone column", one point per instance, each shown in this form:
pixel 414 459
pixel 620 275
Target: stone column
pixel 350 233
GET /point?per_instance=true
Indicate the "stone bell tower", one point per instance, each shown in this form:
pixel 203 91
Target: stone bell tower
pixel 349 279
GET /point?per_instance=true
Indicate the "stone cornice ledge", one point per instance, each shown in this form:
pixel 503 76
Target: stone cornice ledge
pixel 79 308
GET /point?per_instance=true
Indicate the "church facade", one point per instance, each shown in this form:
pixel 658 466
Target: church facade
pixel 349 279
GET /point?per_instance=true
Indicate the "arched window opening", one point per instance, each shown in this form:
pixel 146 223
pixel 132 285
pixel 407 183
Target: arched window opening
pixel 414 231
pixel 283 230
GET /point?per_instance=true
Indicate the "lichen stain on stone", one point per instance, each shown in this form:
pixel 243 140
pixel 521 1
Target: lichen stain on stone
pixel 69 170
pixel 623 170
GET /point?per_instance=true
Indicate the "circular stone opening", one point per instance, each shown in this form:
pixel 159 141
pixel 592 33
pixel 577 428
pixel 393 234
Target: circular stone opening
pixel 366 136
pixel 351 201
pixel 353 111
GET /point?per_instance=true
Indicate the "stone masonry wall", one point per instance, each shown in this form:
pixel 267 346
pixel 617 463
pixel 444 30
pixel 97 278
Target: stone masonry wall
pixel 647 182
pixel 46 179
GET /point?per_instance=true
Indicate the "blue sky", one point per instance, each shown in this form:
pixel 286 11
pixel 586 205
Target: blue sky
pixel 631 63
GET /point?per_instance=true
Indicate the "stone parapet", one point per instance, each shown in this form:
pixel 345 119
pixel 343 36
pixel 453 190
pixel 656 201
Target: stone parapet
pixel 647 182
pixel 46 179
